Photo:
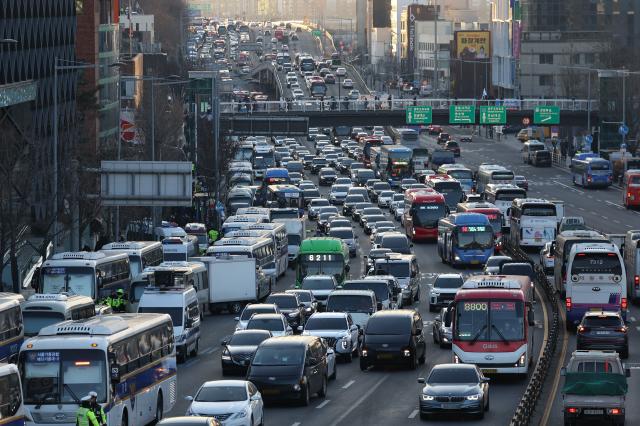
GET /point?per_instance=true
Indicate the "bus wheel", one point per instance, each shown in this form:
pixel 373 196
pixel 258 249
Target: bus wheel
pixel 159 409
pixel 125 419
pixel 235 307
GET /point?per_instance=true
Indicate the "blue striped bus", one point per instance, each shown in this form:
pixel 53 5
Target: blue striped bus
pixel 11 326
pixel 11 406
pixel 129 360
pixel 465 239
pixel 589 170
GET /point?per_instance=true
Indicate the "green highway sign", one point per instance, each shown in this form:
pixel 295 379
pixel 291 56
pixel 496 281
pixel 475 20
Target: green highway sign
pixel 546 115
pixel 462 114
pixel 493 115
pixel 316 33
pixel 419 115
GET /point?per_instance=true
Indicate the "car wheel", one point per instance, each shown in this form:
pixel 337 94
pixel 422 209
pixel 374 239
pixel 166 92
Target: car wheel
pixel 431 307
pixel 194 351
pixel 348 357
pixel 334 375
pixel 481 415
pixel 424 416
pixel 423 358
pixel 363 365
pixel 323 390
pixel 625 353
pixel 304 399
pixel 417 295
pixel 413 362
pixel 486 407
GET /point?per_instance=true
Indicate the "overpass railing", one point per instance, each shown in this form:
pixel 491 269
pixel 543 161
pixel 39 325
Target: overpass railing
pixel 367 103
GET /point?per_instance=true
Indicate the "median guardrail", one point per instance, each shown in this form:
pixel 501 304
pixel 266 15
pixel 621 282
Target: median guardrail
pixel 526 407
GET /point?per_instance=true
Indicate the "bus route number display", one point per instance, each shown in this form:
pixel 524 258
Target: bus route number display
pixel 320 257
pixel 473 228
pixel 475 306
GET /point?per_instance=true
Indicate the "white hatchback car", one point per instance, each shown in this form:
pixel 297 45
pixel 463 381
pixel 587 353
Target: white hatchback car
pixel 231 402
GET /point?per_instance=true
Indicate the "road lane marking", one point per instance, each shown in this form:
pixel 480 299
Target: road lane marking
pixel 323 403
pixel 413 414
pixel 348 384
pixel 556 380
pixel 614 204
pixel 363 398
pixel 296 424
pixel 569 187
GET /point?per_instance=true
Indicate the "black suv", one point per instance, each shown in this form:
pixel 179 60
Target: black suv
pixel 290 306
pixel 603 330
pixel 393 337
pixel 290 367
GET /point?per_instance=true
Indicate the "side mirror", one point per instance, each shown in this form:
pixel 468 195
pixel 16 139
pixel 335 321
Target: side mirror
pixel 360 331
pixel 255 397
pixel 115 373
pixel 418 331
pixel 485 380
pixel 563 371
pixel 300 328
pixel 225 341
pixel 353 327
pixel 188 398
pixel 421 380
pixel 347 267
pixel 236 318
pixel 627 372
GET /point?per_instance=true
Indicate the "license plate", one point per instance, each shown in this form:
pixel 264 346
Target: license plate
pixel 602 332
pixel 538 239
pixel 449 406
pixel 385 356
pixel 593 412
pixel 489 370
pixel 270 391
pixel 475 262
pixel 595 309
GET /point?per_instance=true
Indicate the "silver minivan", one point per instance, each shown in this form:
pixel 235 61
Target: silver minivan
pixel 361 304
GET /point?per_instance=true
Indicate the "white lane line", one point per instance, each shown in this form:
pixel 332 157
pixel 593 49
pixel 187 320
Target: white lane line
pixel 323 403
pixel 350 382
pixel 363 398
pixel 296 424
pixel 569 187
pixel 614 204
pixel 605 218
pixel 413 414
pixel 616 220
pixel 581 208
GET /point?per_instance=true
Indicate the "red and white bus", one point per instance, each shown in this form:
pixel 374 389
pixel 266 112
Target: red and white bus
pixel 492 212
pixel 492 324
pixel 423 208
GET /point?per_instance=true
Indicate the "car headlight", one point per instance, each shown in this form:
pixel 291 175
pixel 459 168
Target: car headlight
pixel 473 397
pixel 293 314
pixel 240 415
pixel 226 355
pixel 427 397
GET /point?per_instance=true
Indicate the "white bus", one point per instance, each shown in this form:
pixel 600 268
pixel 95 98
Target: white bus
pixel 502 196
pixel 176 249
pixel 233 223
pixel 492 173
pixel 141 254
pixel 43 310
pixel 129 360
pixel 194 273
pixel 11 326
pixel 279 234
pixel 253 211
pixel 632 263
pixel 11 406
pixel 260 249
pixel 533 222
pixel 168 229
pixel 596 280
pixel 93 274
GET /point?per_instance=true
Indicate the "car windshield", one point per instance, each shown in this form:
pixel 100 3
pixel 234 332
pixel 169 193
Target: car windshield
pixel 324 323
pixel 176 314
pixel 397 269
pixel 271 324
pixel 349 303
pixel 283 301
pixel 346 234
pixel 319 203
pixel 606 321
pixel 352 199
pixel 448 282
pixel 453 375
pixel 317 284
pixel 248 339
pixel 381 289
pixel 461 174
pixel 389 325
pixel 221 394
pixel 278 356
pixel 381 186
pixel 248 312
pixel 396 243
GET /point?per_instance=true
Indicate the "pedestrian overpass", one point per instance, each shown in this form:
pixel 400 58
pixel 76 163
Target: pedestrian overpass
pixel 294 117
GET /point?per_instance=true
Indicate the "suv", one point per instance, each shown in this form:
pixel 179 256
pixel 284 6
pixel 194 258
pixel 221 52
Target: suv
pixel 361 304
pixel 394 336
pixel 405 268
pixel 385 294
pixel 349 201
pixel 603 330
pixel 290 306
pixel 442 328
pixel 320 286
pixel 254 308
pixel 338 330
pixel 443 290
pixel 281 361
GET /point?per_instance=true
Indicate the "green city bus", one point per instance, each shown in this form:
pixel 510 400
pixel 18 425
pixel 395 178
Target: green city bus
pixel 323 256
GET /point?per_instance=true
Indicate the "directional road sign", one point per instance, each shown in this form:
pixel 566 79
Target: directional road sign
pixel 623 129
pixel 546 115
pixel 419 115
pixel 493 115
pixel 588 139
pixel 316 33
pixel 462 114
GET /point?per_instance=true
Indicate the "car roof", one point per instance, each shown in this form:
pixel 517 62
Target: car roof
pixel 352 293
pixel 254 331
pixel 455 366
pixel 260 306
pixel 266 316
pixel 318 277
pixel 187 420
pixel 395 313
pixel 449 275
pixel 289 341
pixel 329 315
pixel 217 383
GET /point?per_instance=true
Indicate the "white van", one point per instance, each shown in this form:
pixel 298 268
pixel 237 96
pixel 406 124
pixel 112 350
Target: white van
pixel 529 147
pixel 43 310
pixel 181 304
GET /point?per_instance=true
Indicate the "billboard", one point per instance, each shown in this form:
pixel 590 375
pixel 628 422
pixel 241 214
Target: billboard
pixel 381 13
pixel 472 45
pixel 416 12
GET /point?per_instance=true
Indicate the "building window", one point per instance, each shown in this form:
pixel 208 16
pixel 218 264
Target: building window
pixel 589 58
pixel 545 80
pixel 546 58
pixel 575 58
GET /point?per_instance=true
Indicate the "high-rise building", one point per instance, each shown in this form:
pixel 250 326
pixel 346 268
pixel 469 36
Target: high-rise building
pixel 34 36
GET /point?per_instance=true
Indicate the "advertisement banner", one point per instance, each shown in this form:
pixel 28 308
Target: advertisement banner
pixel 129 133
pixel 473 45
pixel 516 39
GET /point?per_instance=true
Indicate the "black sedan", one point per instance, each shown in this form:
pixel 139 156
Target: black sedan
pixel 603 330
pixel 454 389
pixel 327 176
pixel 238 349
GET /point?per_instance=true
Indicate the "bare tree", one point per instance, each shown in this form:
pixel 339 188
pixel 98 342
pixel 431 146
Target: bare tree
pixel 169 27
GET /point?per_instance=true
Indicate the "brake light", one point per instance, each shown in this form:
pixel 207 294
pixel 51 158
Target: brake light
pixel 636 281
pixel 572 410
pixel 588 178
pixel 614 411
pixel 564 277
pixel 568 303
pixel 582 329
pixel 622 329
pixel 623 304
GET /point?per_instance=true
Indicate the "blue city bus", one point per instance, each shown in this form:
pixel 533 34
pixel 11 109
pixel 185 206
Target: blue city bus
pixel 272 176
pixel 589 170
pixel 465 239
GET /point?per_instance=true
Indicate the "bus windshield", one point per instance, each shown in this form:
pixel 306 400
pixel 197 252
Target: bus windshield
pixel 63 376
pixel 77 280
pixel 489 320
pixel 34 321
pixel 427 215
pixel 600 165
pixel 461 174
pixel 510 195
pixel 474 237
pixel 596 263
pixel 322 264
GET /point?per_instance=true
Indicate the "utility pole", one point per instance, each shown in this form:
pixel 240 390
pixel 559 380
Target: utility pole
pixel 437 51
pixel 215 110
pixel 624 109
